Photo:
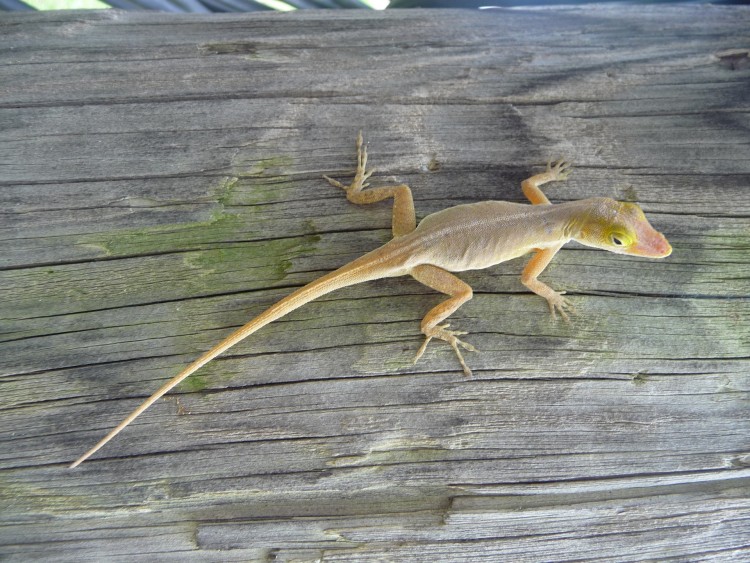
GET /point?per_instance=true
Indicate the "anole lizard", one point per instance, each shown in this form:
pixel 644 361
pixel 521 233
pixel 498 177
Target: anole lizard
pixel 464 237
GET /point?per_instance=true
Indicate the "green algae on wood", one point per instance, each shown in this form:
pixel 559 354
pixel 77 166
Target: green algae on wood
pixel 274 256
pixel 219 225
pixel 233 211
pixel 195 383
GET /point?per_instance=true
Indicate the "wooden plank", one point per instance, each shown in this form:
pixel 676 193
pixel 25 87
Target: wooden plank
pixel 160 184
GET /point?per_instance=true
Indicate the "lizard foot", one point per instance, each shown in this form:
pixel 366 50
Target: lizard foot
pixel 558 304
pixel 559 171
pixel 360 176
pixel 451 337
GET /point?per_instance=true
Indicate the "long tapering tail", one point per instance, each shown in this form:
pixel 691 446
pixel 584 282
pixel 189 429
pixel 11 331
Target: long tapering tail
pixel 374 265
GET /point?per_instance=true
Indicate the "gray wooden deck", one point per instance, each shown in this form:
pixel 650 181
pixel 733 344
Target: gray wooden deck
pixel 160 184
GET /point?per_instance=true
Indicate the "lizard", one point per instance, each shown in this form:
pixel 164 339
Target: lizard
pixel 465 237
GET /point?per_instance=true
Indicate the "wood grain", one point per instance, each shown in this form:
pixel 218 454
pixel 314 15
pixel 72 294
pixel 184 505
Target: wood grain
pixel 160 178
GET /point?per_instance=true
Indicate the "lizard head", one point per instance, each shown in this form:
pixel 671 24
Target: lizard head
pixel 622 228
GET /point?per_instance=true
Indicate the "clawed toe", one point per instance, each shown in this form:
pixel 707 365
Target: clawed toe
pixel 559 170
pixel 451 337
pixel 559 304
pixel 335 183
pixel 360 176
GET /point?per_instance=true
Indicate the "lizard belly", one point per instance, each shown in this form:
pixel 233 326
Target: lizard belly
pixel 475 236
pixel 474 253
pixel 478 235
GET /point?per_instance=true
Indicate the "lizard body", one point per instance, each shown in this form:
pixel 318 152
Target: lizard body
pixel 464 237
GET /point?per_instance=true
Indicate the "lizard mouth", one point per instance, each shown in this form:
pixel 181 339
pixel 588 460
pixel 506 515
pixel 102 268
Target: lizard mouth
pixel 652 244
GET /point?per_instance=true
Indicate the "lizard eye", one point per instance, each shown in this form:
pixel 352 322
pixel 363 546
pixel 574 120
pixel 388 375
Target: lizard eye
pixel 618 239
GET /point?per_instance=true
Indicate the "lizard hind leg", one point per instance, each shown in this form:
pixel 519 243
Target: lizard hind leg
pixel 460 292
pixel 404 216
pixel 360 176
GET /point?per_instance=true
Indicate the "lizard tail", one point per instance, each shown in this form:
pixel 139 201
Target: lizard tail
pixel 373 265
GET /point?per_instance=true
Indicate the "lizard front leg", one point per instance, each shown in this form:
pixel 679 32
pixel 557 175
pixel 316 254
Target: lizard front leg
pixel 404 216
pixel 460 292
pixel 557 303
pixel 556 172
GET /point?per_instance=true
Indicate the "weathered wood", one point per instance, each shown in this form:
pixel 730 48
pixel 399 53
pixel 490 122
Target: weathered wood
pixel 160 184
